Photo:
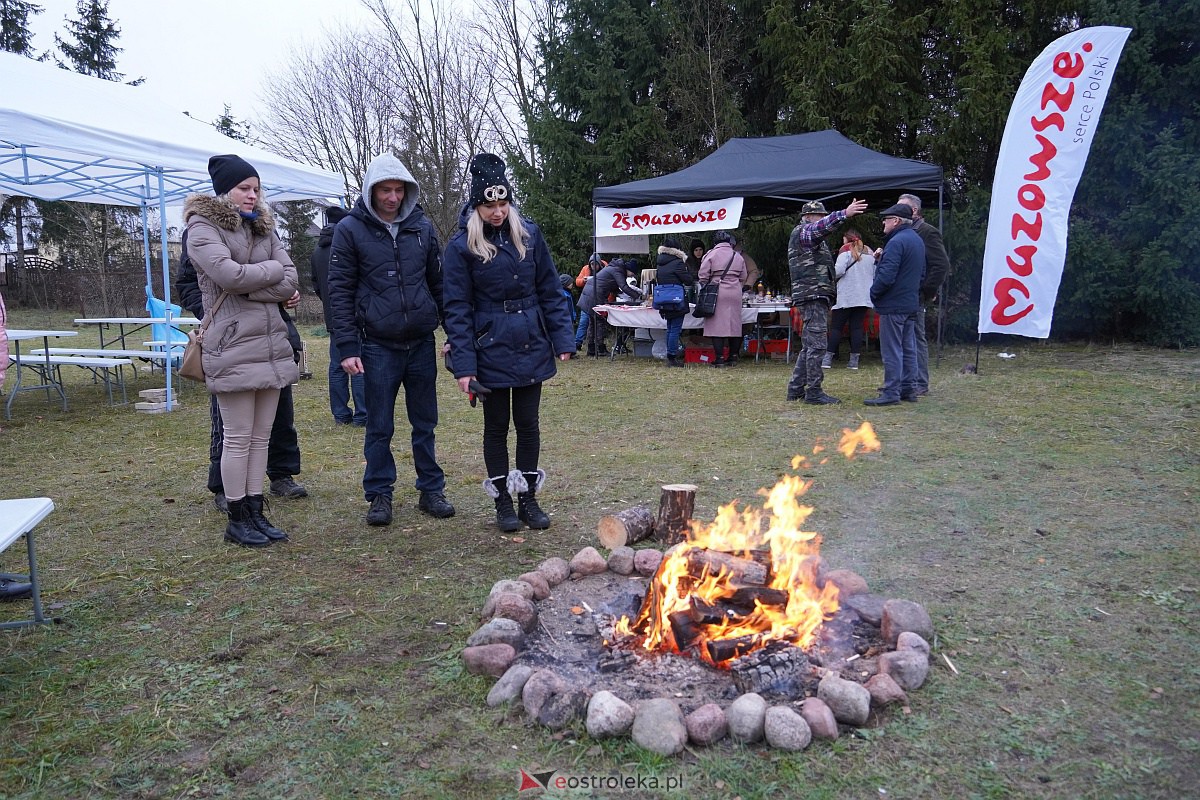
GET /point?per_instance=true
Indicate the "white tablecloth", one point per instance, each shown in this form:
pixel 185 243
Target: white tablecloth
pixel 645 317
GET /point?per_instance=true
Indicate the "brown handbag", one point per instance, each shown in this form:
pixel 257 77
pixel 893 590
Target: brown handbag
pixel 192 365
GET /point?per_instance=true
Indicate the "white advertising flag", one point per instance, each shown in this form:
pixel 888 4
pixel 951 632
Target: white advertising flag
pixel 1046 141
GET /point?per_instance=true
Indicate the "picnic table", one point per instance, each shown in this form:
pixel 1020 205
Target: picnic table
pixel 18 518
pixel 47 367
pixel 137 323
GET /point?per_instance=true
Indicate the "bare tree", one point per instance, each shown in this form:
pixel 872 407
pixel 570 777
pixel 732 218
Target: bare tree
pixel 335 107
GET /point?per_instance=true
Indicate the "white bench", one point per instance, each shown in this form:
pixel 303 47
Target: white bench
pixel 48 369
pixel 18 518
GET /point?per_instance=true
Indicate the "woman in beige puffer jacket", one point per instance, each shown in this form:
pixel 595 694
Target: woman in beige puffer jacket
pixel 247 357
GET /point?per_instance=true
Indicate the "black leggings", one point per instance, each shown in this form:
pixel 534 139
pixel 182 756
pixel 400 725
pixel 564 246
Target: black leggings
pixel 721 343
pixel 521 405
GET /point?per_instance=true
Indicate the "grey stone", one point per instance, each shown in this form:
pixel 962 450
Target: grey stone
pixel 707 725
pixel 561 709
pixel 850 702
pixel 784 729
pixel 509 687
pixel 538 689
pixel 905 615
pixel 908 668
pixel 819 718
pixel 658 727
pixel 884 690
pixel 488 659
pixel 645 562
pixel 499 630
pixel 746 716
pixel 869 607
pixel 608 715
pixel 515 587
pixel 588 561
pixel 555 570
pixel 912 641
pixel 620 560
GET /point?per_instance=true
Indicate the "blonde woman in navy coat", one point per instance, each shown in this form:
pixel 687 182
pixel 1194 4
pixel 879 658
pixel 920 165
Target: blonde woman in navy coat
pixel 505 324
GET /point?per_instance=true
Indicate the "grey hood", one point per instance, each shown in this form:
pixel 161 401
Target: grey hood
pixel 386 167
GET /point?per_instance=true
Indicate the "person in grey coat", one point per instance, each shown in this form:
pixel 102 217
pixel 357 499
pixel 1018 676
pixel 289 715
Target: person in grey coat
pixel 895 293
pixel 244 273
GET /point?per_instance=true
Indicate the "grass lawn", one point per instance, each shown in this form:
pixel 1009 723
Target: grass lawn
pixel 1043 511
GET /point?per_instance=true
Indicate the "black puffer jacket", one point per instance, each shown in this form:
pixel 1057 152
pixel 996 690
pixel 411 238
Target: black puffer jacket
pixel 672 268
pixel 388 291
pixel 320 260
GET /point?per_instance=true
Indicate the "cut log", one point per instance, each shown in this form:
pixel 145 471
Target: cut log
pixel 725 649
pixel 625 527
pixel 683 629
pixel 744 597
pixel 738 571
pixel 675 507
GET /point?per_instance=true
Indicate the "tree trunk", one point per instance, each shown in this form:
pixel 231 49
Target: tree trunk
pixel 625 527
pixel 675 507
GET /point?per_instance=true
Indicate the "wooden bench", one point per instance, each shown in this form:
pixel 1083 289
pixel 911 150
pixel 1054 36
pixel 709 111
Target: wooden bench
pixel 18 518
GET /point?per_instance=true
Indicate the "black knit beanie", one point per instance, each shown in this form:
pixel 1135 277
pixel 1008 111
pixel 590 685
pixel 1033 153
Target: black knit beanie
pixel 488 182
pixel 228 171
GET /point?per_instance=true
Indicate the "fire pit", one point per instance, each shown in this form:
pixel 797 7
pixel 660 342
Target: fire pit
pixel 739 630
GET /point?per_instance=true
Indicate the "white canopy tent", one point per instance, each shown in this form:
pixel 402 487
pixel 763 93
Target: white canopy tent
pixel 66 136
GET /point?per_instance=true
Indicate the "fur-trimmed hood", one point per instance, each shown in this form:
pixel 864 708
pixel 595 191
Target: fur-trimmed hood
pixel 671 251
pixel 224 215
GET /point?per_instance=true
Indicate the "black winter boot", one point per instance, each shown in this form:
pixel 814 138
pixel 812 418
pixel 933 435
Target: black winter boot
pixel 528 509
pixel 254 511
pixel 240 529
pixel 506 516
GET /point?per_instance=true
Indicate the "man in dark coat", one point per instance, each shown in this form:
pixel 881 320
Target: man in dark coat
pixel 937 267
pixel 895 295
pixel 385 291
pixel 810 264
pixel 283 448
pixel 607 283
pixel 342 387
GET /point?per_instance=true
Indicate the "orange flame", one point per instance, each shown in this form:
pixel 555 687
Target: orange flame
pixel 766 555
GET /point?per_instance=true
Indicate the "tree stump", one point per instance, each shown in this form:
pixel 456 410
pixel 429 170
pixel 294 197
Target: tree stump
pixel 675 507
pixel 625 527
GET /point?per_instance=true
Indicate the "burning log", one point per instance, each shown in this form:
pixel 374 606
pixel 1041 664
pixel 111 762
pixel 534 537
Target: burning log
pixel 684 629
pixel 746 596
pixel 675 507
pixel 625 527
pixel 738 571
pixel 725 649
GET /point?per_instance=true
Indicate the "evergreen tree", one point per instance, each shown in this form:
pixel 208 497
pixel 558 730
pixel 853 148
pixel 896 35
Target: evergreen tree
pixel 15 36
pixel 232 127
pixel 93 50
pixel 604 121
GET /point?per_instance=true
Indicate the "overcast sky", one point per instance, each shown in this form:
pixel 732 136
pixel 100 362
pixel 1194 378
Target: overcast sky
pixel 202 54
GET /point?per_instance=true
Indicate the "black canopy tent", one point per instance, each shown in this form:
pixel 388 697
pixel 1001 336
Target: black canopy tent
pixel 776 174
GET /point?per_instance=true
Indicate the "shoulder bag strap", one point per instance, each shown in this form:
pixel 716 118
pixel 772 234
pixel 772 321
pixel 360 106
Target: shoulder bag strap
pixel 211 313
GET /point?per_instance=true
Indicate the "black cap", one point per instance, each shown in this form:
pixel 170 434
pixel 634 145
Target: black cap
pixel 899 210
pixel 671 242
pixel 488 181
pixel 228 171
pixel 335 214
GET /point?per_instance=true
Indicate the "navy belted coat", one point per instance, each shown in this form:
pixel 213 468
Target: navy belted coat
pixel 505 319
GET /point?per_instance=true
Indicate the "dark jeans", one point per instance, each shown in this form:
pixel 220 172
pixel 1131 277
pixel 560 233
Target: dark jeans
pixel 283 451
pixel 841 316
pixel 898 347
pixel 385 371
pixel 521 405
pixel 344 387
pixel 674 329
